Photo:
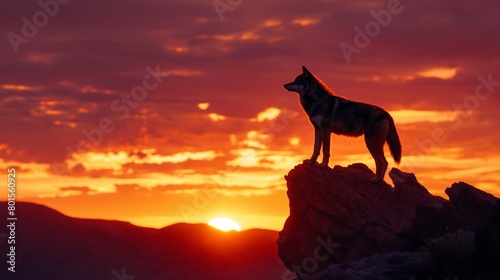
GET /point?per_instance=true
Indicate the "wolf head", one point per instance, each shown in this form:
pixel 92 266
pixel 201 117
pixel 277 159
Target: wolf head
pixel 302 82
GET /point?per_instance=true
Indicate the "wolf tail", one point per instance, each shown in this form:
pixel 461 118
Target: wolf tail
pixel 393 141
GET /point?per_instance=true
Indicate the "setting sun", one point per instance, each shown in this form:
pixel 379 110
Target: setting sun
pixel 224 224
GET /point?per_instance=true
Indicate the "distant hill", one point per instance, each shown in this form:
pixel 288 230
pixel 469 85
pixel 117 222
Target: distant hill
pixel 52 246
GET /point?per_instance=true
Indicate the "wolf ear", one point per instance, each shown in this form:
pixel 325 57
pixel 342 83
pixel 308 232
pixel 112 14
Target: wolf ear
pixel 305 71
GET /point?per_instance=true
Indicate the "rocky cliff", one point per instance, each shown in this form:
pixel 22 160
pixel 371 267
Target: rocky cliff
pixel 342 226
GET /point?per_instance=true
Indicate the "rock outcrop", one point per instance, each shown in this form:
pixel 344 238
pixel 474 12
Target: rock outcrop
pixel 338 217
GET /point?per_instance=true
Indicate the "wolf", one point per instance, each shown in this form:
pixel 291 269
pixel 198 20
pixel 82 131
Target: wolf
pixel 331 113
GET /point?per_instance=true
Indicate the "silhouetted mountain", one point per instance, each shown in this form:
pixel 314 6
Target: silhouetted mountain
pixel 342 226
pixel 52 246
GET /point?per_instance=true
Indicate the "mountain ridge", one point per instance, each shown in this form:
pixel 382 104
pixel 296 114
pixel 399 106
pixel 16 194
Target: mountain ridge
pixel 53 246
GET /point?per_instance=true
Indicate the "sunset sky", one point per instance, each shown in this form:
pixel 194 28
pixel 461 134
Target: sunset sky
pixel 165 111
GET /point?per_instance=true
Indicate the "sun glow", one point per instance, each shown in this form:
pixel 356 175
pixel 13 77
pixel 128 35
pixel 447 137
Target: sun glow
pixel 224 224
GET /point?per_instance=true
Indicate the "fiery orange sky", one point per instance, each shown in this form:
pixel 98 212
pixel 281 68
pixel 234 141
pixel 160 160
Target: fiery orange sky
pixel 158 112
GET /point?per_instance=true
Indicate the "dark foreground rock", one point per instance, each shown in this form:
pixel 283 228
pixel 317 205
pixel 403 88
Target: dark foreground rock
pixel 342 226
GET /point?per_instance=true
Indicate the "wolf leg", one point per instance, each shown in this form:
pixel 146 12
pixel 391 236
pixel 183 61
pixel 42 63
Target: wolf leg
pixel 317 145
pixel 375 142
pixel 325 134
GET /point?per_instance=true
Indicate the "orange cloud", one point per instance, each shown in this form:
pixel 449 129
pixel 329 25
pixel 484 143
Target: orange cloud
pixel 439 73
pixel 305 21
pixel 268 114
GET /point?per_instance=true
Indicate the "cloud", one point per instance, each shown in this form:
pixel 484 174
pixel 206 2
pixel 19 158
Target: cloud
pixel 216 117
pixel 221 110
pixel 75 190
pixel 416 116
pixel 203 105
pixel 440 73
pixel 268 114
